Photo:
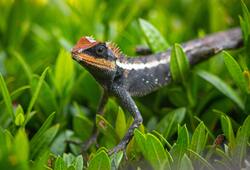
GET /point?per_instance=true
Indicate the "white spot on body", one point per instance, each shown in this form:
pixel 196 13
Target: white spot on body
pixel 139 66
pixel 156 81
pixel 147 81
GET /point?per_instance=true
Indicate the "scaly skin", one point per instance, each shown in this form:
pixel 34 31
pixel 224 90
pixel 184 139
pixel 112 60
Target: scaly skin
pixel 124 77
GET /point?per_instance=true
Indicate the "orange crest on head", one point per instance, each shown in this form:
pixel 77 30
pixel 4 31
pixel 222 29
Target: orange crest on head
pixel 85 43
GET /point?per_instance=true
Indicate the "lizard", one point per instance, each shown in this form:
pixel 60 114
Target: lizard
pixel 125 77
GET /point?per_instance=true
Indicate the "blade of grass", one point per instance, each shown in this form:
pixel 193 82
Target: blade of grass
pixel 42 129
pixel 186 163
pixel 199 138
pixel 24 64
pixel 228 130
pixel 222 87
pixel 201 159
pixel 35 95
pixel 156 154
pixel 6 97
pixel 242 139
pixel 179 65
pixel 235 71
pixel 60 164
pixel 44 141
pixel 167 126
pixel 179 149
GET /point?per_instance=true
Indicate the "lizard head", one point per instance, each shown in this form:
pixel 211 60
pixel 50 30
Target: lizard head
pixel 96 56
pixel 94 53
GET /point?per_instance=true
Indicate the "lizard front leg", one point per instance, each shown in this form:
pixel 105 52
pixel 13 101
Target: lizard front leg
pixel 128 104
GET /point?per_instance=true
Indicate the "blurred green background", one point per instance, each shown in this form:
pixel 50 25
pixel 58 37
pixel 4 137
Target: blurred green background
pixel 36 34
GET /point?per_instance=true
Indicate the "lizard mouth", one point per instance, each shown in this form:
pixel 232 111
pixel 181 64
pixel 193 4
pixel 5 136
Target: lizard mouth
pixel 75 55
pixel 96 62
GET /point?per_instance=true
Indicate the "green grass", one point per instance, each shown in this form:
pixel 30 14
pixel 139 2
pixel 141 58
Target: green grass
pixel 47 99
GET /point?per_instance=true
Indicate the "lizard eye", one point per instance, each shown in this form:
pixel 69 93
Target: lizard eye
pixel 100 50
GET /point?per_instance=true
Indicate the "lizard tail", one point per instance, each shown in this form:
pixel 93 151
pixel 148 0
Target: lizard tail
pixel 201 49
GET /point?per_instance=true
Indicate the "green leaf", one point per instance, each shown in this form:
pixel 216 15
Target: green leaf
pixel 226 159
pixel 228 130
pixel 64 72
pixel 41 161
pixel 73 162
pixel 162 139
pixel 242 139
pixel 60 164
pixel 235 71
pixel 42 129
pixel 78 163
pixel 156 154
pixel 140 139
pixel 47 99
pixel 35 95
pixel 44 142
pixel 199 138
pixel 217 15
pixel 199 158
pixel 82 126
pixel 247 105
pixel 6 97
pixel 179 65
pixel 17 92
pixel 68 159
pixel 245 23
pixel 105 127
pixel 167 126
pixel 186 163
pixel 116 160
pixel 43 137
pixel 181 146
pixel 19 119
pixel 100 161
pixel 222 87
pixel 152 150
pixel 59 145
pixel 153 37
pixel 120 125
pixel 24 64
pixel 21 146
